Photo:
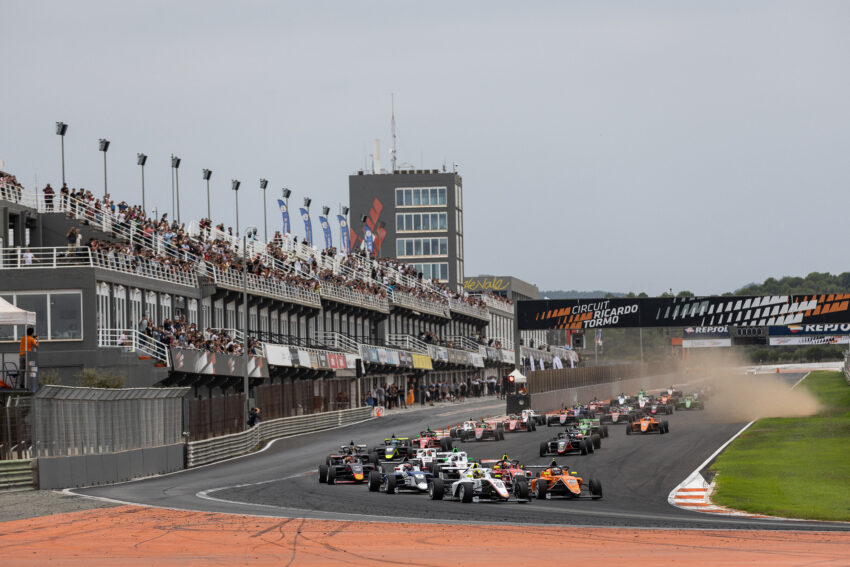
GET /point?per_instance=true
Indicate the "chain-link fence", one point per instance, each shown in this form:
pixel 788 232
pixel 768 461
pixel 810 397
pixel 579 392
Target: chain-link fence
pixel 87 421
pixel 14 428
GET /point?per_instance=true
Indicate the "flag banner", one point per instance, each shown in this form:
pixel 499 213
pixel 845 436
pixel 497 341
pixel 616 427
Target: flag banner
pixel 598 337
pixel 344 237
pixel 326 229
pixel 370 240
pixel 308 228
pixel 284 213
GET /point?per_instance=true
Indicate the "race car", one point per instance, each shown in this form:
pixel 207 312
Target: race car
pixel 429 459
pixel 350 468
pixel 477 484
pixel 648 424
pixel 565 416
pixel 537 417
pixel 593 407
pixel 555 481
pixel 479 431
pixel 393 449
pixel 514 423
pixel 590 427
pixel 658 408
pixel 350 449
pixel 565 443
pixel 405 476
pixel 429 439
pixel 689 403
pixel 616 414
pixel 509 470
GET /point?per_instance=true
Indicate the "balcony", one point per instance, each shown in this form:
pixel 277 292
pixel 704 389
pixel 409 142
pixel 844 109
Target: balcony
pixel 418 304
pixel 459 306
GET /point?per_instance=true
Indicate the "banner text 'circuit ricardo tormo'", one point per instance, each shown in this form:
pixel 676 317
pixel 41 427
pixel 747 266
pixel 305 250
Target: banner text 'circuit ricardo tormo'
pixel 742 311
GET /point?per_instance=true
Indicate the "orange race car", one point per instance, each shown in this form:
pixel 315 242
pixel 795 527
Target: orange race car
pixel 647 424
pixel 556 481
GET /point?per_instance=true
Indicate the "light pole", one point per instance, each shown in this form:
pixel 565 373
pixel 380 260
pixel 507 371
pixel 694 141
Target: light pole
pixel 175 164
pixel 286 193
pixel 263 184
pixel 325 211
pixel 141 159
pixel 207 173
pixel 308 228
pixel 61 128
pixel 235 186
pixel 245 353
pixel 103 146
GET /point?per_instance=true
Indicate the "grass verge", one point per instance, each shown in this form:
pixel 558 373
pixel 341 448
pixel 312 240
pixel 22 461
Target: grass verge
pixel 793 467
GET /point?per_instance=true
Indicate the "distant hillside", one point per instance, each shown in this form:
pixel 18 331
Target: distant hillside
pixel 575 294
pixel 816 282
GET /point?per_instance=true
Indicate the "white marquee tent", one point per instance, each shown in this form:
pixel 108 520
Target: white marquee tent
pixel 11 315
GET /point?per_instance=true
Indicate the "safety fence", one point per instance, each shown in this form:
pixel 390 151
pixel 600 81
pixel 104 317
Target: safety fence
pixel 215 416
pixel 304 397
pixel 210 450
pixel 88 421
pixel 550 380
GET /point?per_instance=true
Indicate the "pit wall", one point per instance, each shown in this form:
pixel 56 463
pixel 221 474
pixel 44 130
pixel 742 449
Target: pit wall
pixel 556 399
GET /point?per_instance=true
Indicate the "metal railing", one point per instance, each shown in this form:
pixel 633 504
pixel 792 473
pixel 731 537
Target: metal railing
pixel 494 303
pixel 218 448
pixel 460 306
pixel 418 304
pixel 354 297
pixel 232 279
pixel 464 343
pixel 407 342
pixel 336 340
pixel 83 256
pixel 133 341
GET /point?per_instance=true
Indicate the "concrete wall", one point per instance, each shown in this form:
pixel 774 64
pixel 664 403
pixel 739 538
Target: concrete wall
pixel 107 468
pixel 556 399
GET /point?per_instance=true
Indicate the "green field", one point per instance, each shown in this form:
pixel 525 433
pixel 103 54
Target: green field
pixel 793 467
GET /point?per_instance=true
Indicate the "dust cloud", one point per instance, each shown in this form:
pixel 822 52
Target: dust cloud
pixel 735 395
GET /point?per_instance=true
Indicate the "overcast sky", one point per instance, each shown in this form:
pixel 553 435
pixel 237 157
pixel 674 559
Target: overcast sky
pixel 624 146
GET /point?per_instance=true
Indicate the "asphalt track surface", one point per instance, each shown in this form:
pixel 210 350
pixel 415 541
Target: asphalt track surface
pixel 637 474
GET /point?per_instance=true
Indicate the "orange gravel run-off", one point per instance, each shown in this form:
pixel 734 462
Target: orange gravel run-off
pixel 128 535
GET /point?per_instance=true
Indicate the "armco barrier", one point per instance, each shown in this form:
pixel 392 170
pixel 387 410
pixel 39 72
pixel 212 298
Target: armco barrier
pixel 218 448
pixel 16 474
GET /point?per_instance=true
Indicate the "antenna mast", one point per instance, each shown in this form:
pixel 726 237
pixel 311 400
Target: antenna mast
pixel 392 99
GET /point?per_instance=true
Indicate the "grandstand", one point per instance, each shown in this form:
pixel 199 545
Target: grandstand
pixel 117 291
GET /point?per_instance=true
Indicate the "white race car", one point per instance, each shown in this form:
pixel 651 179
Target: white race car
pixel 477 484
pixel 405 476
pixel 537 417
pixel 432 459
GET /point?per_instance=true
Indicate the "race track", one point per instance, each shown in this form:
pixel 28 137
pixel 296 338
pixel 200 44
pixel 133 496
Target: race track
pixel 637 474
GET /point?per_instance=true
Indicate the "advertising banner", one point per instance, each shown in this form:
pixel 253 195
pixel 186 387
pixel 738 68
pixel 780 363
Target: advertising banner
pixel 326 229
pixel 308 227
pixel 284 213
pixel 279 355
pixel 477 360
pixel 369 239
pixel 344 237
pixel 422 361
pixel 742 311
pixel 706 343
pixel 810 340
pixel 216 363
pixel 706 332
pixel 794 330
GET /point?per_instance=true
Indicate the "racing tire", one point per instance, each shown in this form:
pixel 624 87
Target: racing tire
pixel 436 489
pixel 374 481
pixel 328 460
pixel 444 444
pixel 550 422
pixel 501 435
pixel 521 490
pixel 666 425
pixel 373 457
pixel 544 448
pixel 391 484
pixel 450 444
pixel 629 428
pixel 604 431
pixel 323 473
pixel 541 491
pixel 465 492
pixel 331 478
pixel 584 447
pixel 597 441
pixel 595 489
pixel 429 467
pixel 590 446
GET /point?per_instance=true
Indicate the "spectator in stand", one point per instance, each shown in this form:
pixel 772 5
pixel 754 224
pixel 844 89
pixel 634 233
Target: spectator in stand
pixel 48 197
